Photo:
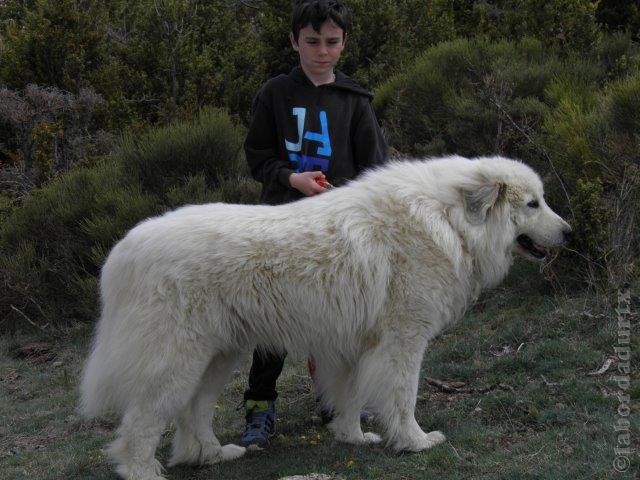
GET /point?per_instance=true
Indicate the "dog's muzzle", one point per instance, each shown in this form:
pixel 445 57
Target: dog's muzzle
pixel 539 251
pixel 531 247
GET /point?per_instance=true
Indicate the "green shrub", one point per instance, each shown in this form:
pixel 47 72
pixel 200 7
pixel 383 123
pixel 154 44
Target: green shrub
pixel 590 219
pixel 617 55
pixel 568 126
pixel 624 105
pixel 615 15
pixel 233 189
pixel 55 242
pixel 460 97
pixel 53 245
pixel 566 23
pixel 165 157
pixel 617 144
pixel 574 120
pixel 48 132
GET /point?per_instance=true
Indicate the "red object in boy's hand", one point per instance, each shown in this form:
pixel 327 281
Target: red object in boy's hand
pixel 323 182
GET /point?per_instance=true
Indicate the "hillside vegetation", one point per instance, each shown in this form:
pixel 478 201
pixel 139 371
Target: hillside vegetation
pixel 111 112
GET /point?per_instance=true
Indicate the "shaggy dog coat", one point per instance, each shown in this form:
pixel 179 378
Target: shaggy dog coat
pixel 361 278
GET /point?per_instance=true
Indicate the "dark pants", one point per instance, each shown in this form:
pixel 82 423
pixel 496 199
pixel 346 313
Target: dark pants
pixel 265 370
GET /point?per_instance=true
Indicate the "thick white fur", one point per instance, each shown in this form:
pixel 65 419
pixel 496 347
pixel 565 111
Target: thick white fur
pixel 361 278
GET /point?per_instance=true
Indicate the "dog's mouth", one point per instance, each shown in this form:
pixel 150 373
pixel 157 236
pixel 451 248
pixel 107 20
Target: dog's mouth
pixel 531 247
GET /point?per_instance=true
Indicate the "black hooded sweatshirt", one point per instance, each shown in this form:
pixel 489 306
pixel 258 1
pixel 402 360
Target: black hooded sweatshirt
pixel 297 127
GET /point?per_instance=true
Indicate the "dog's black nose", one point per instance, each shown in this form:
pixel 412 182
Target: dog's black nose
pixel 567 234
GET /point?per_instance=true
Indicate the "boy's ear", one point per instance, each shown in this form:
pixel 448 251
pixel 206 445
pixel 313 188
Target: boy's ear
pixel 344 38
pixel 292 39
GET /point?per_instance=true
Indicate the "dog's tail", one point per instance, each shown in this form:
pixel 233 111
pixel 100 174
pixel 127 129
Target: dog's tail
pixel 103 385
pixel 94 386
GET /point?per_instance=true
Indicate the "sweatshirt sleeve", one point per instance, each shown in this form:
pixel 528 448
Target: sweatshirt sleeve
pixel 261 147
pixel 369 146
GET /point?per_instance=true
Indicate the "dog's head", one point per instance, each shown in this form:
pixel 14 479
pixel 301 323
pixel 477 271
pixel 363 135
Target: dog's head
pixel 509 191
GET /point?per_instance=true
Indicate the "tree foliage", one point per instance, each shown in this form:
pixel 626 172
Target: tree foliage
pixel 54 43
pixel 52 246
pixel 554 83
pixel 49 133
pixel 575 119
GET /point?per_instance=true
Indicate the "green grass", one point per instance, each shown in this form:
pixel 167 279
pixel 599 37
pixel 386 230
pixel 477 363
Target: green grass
pixel 557 422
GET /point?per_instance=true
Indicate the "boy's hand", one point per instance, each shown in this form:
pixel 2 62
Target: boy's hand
pixel 307 182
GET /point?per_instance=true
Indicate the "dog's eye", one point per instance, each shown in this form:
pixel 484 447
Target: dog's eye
pixel 533 204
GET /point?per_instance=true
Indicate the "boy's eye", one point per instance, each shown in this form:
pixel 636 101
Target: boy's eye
pixel 313 41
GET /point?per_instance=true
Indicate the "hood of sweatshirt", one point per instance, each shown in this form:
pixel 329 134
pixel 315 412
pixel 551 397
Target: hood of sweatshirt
pixel 342 82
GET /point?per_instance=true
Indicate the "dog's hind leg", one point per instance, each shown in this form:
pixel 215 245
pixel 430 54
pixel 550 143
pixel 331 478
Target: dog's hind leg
pixel 165 386
pixel 194 441
pixel 134 449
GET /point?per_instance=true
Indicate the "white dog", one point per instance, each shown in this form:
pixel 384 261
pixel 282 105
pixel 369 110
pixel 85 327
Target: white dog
pixel 361 278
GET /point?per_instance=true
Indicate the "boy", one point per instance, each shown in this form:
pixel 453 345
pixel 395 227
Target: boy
pixel 311 129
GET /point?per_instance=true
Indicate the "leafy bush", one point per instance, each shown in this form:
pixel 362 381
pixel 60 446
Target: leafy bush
pixel 470 97
pixel 574 120
pixel 166 156
pixel 593 134
pixel 51 42
pixel 564 23
pixel 50 130
pixel 53 244
pixel 615 15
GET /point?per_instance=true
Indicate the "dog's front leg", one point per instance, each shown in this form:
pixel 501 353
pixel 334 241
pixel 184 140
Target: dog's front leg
pixel 391 372
pixel 341 395
pixel 402 430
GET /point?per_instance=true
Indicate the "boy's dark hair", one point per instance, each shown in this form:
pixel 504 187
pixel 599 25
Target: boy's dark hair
pixel 316 12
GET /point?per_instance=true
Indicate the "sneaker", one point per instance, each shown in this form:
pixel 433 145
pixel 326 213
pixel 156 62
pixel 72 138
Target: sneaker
pixel 261 419
pixel 366 417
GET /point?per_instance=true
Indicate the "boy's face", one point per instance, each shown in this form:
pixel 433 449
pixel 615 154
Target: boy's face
pixel 319 52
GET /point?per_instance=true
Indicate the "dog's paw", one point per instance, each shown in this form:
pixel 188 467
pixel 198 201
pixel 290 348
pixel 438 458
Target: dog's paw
pixel 205 454
pixel 370 437
pixel 434 438
pixel 358 438
pixel 152 471
pixel 421 442
pixel 231 452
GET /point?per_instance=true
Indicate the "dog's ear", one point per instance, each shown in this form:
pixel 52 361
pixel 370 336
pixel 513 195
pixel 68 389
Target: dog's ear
pixel 479 200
